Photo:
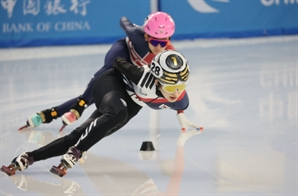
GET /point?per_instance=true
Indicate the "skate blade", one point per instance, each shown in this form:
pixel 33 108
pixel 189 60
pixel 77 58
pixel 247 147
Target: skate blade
pixel 23 127
pixel 63 126
pixel 9 171
pixel 57 171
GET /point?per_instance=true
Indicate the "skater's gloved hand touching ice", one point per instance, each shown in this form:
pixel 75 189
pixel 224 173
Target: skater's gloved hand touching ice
pixel 185 136
pixel 185 123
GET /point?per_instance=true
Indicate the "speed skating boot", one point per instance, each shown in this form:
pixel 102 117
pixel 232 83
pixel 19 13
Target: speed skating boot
pixel 20 163
pixel 75 112
pixel 45 116
pixel 67 161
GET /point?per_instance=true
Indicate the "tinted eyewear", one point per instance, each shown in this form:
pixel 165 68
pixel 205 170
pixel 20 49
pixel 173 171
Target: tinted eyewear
pixel 155 42
pixel 173 88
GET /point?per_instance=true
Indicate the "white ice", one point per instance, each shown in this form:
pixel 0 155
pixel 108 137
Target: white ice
pixel 242 91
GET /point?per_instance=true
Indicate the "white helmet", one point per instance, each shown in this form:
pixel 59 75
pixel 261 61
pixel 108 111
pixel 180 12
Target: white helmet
pixel 170 68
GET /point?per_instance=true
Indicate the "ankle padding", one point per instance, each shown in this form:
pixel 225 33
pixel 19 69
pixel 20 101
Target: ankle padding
pixel 48 115
pixel 79 107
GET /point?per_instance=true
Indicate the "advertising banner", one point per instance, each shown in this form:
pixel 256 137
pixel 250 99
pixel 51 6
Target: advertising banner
pixel 67 22
pixel 61 22
pixel 232 18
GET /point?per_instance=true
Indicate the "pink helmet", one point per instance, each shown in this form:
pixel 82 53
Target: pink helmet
pixel 159 25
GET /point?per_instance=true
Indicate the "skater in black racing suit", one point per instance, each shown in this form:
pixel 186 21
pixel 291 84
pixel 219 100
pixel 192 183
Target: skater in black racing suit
pixel 119 94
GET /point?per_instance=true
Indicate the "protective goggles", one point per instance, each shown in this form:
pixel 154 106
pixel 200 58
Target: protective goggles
pixel 155 42
pixel 173 88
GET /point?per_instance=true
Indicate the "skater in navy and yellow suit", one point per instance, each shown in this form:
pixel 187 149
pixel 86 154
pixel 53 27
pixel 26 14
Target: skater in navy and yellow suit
pixel 139 47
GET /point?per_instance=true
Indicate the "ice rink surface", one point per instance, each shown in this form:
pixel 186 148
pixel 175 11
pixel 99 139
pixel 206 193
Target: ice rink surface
pixel 243 91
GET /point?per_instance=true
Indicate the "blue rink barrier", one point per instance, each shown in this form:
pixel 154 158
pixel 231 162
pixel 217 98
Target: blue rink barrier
pixel 68 22
pixel 232 18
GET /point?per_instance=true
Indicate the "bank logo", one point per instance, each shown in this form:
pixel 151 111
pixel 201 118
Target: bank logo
pixel 203 7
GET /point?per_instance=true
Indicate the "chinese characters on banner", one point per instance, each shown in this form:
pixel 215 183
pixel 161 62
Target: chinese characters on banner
pixel 50 7
pixel 65 22
pixel 15 23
